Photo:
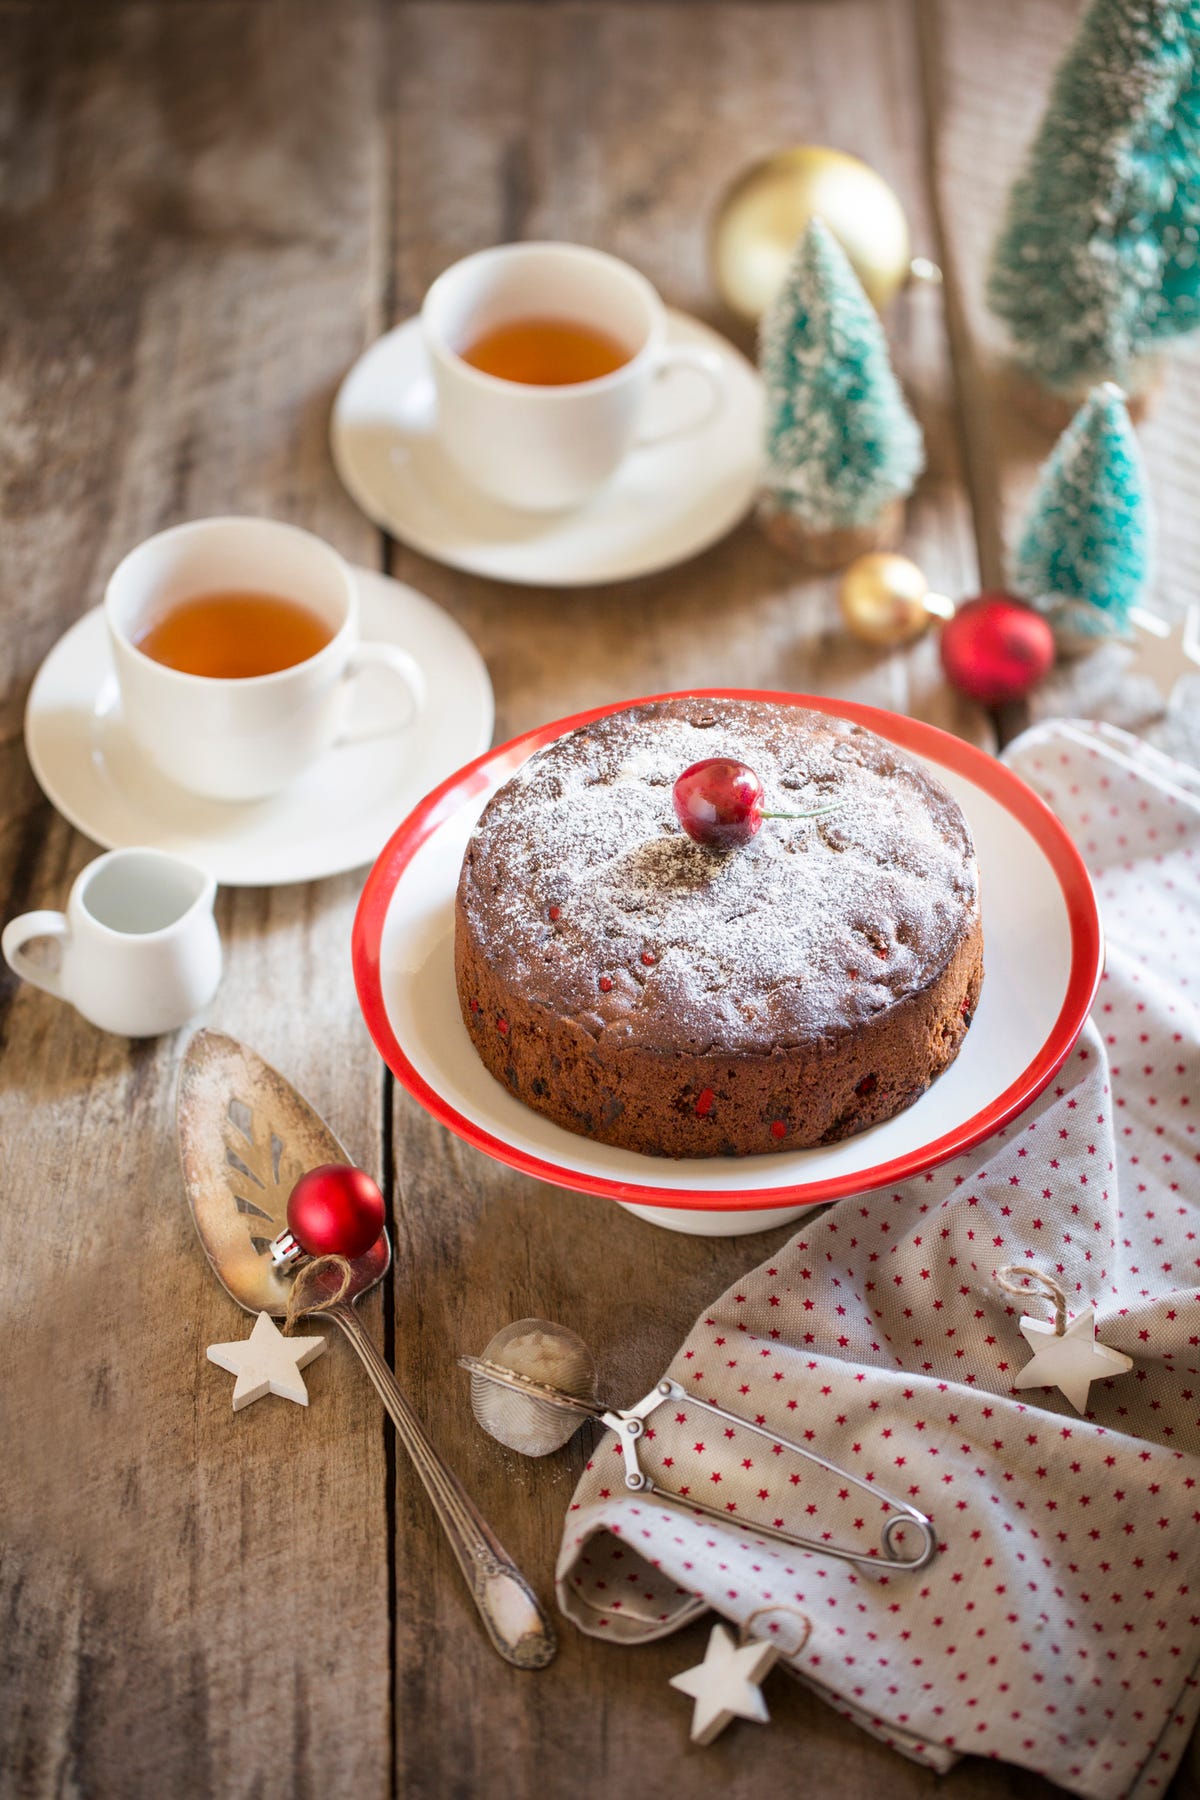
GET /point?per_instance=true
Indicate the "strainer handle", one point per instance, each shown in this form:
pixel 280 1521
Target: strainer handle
pixel 508 1606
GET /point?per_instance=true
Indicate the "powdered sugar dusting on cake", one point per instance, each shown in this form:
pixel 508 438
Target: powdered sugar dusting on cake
pixel 580 878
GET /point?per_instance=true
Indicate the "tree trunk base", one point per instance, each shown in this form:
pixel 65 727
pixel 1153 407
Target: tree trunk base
pixel 1053 410
pixel 822 551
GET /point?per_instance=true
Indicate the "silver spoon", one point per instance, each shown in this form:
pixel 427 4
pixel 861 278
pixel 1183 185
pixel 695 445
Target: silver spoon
pixel 245 1138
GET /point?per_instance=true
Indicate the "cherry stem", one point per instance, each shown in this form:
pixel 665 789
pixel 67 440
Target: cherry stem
pixel 819 812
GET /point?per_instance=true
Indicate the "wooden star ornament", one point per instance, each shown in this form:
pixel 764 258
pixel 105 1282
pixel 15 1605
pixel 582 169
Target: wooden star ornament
pixel 1164 652
pixel 267 1363
pixel 1069 1360
pixel 725 1685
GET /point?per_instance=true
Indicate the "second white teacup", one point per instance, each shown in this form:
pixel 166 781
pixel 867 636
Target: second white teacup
pixel 243 738
pixel 546 448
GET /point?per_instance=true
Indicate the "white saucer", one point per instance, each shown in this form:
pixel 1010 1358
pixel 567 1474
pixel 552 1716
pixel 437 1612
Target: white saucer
pixel 666 502
pixel 337 815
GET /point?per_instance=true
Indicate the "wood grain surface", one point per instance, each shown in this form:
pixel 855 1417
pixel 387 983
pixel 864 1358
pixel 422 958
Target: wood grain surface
pixel 207 209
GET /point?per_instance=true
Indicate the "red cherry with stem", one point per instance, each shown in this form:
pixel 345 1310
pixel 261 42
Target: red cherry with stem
pixel 335 1210
pixel 719 803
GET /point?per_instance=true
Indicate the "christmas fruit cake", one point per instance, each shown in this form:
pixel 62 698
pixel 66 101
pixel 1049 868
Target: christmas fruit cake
pixel 706 927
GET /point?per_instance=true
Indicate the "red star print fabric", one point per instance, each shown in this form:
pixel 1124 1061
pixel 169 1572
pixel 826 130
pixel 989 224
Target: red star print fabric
pixel 1058 1625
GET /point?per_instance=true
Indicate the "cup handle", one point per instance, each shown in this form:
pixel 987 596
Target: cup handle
pixel 704 362
pixel 407 673
pixel 19 932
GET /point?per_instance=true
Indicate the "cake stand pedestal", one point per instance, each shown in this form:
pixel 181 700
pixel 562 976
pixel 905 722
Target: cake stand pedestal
pixel 701 1223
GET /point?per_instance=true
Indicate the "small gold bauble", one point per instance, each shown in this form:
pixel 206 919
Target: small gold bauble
pixel 763 214
pixel 885 600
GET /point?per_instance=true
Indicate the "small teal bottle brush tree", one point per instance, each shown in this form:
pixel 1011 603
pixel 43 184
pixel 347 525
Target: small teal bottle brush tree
pixel 842 448
pixel 1098 257
pixel 1083 556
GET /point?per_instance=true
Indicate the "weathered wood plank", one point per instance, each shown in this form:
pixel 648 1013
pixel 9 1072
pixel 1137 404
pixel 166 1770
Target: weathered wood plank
pixel 987 74
pixel 192 1603
pixel 619 126
pixel 201 228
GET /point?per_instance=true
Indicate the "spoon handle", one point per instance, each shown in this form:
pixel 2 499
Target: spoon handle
pixel 508 1606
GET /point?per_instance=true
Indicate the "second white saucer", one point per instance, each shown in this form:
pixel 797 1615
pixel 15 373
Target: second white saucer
pixel 336 815
pixel 667 501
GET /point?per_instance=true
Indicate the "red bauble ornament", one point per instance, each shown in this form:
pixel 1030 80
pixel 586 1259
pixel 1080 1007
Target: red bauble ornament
pixel 995 649
pixel 335 1210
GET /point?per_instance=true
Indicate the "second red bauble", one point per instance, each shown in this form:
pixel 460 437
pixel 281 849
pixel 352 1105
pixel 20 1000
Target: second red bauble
pixel 996 650
pixel 335 1210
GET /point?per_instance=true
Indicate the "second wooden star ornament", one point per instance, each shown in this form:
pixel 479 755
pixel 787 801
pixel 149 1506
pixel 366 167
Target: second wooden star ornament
pixel 726 1685
pixel 1066 1356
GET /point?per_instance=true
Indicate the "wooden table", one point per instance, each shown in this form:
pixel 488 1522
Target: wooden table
pixel 207 209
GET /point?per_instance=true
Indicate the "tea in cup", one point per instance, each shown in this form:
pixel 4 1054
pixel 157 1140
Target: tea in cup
pixel 544 357
pixel 236 648
pixel 139 952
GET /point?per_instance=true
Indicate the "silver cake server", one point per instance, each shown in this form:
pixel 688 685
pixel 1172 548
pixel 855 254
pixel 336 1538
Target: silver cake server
pixel 245 1138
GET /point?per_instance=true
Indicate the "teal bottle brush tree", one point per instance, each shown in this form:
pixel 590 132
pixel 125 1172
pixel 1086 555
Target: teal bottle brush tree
pixel 1083 557
pixel 842 448
pixel 1098 258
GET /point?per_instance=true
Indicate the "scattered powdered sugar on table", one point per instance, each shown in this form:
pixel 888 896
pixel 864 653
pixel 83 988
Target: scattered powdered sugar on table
pixel 581 881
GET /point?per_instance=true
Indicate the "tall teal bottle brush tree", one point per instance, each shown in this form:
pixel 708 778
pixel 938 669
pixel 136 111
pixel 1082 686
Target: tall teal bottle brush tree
pixel 1177 307
pixel 1083 556
pixel 842 448
pixel 1097 258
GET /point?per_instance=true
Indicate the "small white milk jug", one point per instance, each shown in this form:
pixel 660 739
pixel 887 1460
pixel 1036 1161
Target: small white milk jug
pixel 139 951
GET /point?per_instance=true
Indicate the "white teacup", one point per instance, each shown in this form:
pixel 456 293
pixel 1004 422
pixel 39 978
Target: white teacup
pixel 139 952
pixel 547 448
pixel 242 739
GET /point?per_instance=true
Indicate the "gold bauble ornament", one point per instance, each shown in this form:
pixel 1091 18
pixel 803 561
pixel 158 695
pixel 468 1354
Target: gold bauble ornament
pixel 885 600
pixel 767 209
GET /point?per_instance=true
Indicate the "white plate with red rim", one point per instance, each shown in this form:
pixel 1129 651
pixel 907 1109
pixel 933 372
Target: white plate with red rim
pixel 1043 956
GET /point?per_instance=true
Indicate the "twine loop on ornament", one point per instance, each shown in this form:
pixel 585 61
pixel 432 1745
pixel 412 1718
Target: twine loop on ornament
pixel 1044 1285
pixel 302 1299
pixel 746 1636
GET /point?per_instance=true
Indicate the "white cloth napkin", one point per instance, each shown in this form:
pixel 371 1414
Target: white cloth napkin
pixel 1058 1627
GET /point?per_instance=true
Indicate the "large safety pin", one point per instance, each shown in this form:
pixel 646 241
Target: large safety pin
pixel 629 1424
